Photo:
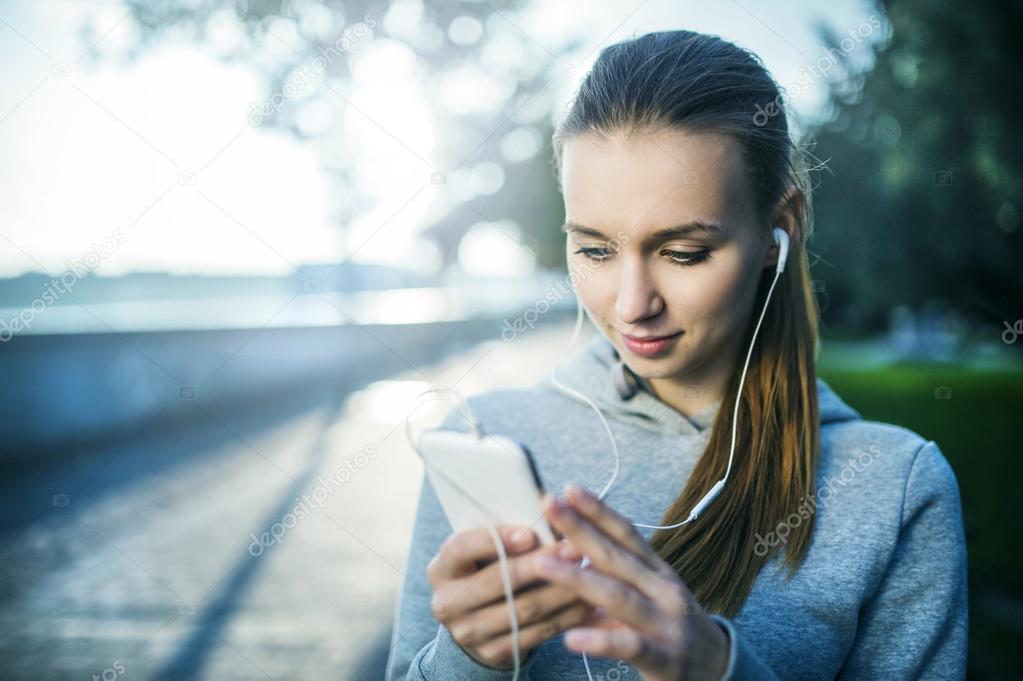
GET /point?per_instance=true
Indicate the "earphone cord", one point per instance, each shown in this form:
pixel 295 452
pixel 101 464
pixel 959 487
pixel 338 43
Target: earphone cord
pixel 702 504
pixel 716 489
pixel 491 526
pixel 693 514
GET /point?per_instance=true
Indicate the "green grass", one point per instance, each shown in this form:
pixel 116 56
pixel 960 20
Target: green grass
pixel 979 430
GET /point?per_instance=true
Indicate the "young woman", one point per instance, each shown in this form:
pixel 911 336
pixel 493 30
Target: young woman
pixel 834 550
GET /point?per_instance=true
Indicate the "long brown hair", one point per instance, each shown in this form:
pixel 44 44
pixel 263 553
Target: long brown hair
pixel 700 83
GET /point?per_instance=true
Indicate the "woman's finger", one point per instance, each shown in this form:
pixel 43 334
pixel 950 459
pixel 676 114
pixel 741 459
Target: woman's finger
pixel 498 652
pixel 460 551
pixel 614 525
pixel 623 644
pixel 618 598
pixel 487 586
pixel 531 606
pixel 600 618
pixel 606 554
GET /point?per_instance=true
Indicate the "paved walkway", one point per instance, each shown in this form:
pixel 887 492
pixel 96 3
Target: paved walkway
pixel 140 562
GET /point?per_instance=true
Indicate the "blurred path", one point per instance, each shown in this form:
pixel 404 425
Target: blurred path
pixel 140 561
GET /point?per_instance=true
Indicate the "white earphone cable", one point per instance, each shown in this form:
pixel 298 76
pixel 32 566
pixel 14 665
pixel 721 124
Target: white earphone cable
pixel 491 527
pixel 782 240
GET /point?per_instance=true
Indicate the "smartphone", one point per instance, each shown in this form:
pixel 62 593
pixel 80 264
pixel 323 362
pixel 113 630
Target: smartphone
pixel 499 473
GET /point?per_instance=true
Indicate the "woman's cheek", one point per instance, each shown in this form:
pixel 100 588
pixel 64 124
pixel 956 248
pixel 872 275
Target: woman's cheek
pixel 706 307
pixel 697 296
pixel 601 292
pixel 722 286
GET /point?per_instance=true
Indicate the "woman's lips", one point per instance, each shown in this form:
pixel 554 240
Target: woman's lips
pixel 649 347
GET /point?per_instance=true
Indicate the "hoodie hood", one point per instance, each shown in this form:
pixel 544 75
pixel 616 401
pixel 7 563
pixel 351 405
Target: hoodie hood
pixel 597 371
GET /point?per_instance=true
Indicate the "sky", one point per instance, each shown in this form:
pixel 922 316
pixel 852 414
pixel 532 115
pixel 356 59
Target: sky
pixel 155 165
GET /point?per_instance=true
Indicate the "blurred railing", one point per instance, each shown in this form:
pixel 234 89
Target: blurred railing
pixel 129 362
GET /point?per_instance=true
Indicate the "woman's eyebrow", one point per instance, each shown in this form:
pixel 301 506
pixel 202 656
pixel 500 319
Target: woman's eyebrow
pixel 677 231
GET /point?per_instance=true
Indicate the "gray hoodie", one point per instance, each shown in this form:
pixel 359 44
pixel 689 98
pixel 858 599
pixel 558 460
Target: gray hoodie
pixel 881 593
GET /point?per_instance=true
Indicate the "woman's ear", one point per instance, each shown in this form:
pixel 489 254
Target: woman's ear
pixel 786 215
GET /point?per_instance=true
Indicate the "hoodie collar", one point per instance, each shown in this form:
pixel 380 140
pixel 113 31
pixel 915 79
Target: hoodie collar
pixel 597 371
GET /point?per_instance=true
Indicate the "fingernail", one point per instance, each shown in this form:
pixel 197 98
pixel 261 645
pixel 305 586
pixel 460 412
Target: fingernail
pixel 576 637
pixel 553 504
pixel 549 564
pixel 522 539
pixel 576 494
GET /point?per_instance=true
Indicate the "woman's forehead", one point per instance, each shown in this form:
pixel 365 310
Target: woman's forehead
pixel 659 178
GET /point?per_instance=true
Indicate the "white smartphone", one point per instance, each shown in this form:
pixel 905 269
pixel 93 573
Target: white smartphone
pixel 497 472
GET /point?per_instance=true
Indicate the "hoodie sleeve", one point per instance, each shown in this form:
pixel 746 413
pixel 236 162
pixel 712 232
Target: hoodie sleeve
pixel 743 662
pixel 915 626
pixel 421 648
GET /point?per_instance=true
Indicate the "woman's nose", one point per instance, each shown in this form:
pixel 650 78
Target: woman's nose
pixel 638 297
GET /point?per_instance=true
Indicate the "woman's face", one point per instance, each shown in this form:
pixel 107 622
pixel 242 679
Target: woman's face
pixel 699 282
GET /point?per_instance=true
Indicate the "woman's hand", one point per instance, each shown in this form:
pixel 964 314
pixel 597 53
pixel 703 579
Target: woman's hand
pixel 646 615
pixel 468 594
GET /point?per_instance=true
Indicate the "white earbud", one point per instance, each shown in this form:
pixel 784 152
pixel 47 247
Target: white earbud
pixel 781 237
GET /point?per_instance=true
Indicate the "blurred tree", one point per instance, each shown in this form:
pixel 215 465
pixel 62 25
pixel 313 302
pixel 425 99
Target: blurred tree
pixel 925 192
pixel 306 50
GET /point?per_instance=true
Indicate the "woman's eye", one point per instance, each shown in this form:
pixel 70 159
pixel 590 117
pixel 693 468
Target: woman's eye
pixel 687 258
pixel 597 254
pixel 681 258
